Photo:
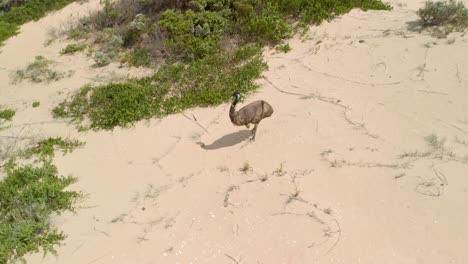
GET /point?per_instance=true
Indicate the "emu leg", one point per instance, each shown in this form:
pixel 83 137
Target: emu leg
pixel 254 132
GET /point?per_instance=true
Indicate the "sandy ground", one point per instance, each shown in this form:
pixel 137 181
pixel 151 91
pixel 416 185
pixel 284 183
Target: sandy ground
pixel 325 183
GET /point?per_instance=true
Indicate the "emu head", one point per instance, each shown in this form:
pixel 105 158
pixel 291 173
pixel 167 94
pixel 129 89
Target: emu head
pixel 236 96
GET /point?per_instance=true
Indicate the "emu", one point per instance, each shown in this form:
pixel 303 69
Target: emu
pixel 252 113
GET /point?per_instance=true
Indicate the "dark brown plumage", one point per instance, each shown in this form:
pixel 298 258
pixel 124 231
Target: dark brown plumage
pixel 252 113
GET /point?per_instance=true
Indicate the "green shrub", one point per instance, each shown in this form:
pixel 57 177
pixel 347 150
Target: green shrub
pixel 444 13
pixel 7 30
pixel 6 5
pixel 191 33
pixel 137 58
pixel 29 195
pixel 194 29
pixel 173 88
pixel 269 25
pixel 72 48
pixel 36 104
pixel 7 114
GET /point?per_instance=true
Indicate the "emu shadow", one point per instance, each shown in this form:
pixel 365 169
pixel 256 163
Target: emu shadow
pixel 227 140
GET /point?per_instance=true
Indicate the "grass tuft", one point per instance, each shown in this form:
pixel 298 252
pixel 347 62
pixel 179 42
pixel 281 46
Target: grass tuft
pixel 73 48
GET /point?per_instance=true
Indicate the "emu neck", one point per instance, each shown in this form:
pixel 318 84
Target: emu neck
pixel 232 112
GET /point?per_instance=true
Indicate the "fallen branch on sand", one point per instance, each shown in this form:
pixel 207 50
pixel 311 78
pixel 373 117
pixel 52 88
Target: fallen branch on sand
pixel 329 100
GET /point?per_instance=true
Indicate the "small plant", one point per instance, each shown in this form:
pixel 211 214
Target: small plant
pixel 7 114
pixel 36 104
pixel 59 112
pixel 39 71
pixel 326 153
pixel 223 169
pixel 102 59
pixel 435 142
pixel 279 171
pixel 73 48
pixel 284 48
pixel 47 147
pixel 415 154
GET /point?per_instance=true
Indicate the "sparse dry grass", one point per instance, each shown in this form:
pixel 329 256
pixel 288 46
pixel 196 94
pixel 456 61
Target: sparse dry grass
pixel 246 168
pixel 279 171
pixel 39 71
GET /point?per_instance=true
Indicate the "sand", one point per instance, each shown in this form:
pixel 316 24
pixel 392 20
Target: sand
pixel 325 183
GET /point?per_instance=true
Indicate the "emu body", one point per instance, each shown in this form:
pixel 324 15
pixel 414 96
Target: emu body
pixel 252 113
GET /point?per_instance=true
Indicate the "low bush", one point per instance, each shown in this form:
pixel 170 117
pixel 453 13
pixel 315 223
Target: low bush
pixel 39 71
pixel 29 195
pixel 173 88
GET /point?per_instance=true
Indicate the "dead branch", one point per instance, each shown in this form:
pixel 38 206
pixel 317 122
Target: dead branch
pixel 196 122
pixel 228 193
pixel 329 100
pixel 339 236
pixel 431 92
pixel 348 80
pixel 231 258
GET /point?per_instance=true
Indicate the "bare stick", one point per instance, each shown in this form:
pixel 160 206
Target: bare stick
pixel 458 74
pixel 102 232
pixel 348 80
pixel 231 258
pixel 196 122
pixel 431 92
pixel 312 96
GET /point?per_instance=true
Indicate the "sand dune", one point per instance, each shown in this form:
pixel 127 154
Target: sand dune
pixel 325 183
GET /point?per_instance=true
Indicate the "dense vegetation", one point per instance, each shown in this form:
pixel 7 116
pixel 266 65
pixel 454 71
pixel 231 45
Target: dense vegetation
pixel 210 47
pixel 14 13
pixel 29 195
